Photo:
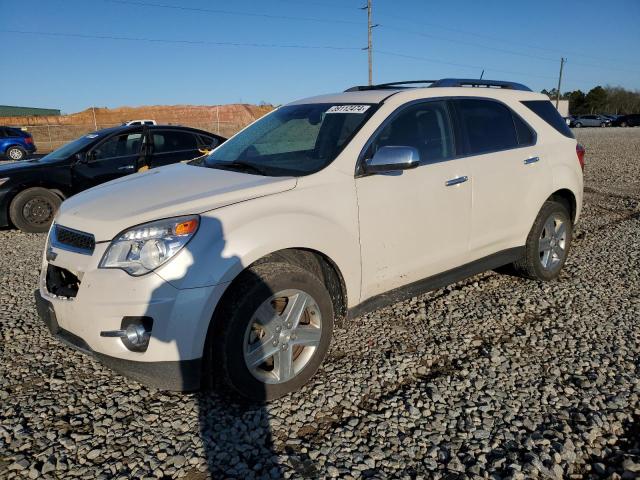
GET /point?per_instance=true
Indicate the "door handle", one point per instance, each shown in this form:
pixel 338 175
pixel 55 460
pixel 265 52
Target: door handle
pixel 456 181
pixel 530 160
pixel 126 167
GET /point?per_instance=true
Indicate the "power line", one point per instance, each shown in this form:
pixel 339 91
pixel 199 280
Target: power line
pixel 181 42
pixel 233 12
pixel 501 40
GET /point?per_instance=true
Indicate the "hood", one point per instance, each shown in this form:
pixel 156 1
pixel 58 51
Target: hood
pixel 169 191
pixel 22 166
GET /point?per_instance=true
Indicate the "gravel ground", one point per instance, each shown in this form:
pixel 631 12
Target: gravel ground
pixel 493 377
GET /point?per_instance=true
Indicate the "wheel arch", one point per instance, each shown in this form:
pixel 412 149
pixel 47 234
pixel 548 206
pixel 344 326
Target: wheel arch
pixel 568 199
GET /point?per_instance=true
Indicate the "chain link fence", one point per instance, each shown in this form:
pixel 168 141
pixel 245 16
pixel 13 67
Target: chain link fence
pixel 50 137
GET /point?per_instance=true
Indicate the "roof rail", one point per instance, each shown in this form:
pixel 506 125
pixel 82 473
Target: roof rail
pixel 470 82
pixel 444 82
pixel 382 86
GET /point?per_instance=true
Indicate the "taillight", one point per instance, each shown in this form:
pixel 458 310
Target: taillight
pixel 28 140
pixel 580 152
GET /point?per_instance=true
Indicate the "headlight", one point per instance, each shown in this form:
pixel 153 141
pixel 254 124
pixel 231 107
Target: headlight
pixel 4 180
pixel 144 248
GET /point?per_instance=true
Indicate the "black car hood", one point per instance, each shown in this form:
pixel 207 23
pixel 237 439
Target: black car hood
pixel 25 165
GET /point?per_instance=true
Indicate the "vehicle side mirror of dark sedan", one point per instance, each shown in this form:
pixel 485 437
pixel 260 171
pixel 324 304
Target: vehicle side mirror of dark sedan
pixel 393 158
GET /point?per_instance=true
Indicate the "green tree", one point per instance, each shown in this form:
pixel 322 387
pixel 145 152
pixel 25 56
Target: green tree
pixel 576 102
pixel 596 100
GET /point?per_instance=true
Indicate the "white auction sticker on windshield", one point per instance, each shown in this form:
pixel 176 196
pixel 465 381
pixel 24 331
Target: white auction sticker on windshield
pixel 348 109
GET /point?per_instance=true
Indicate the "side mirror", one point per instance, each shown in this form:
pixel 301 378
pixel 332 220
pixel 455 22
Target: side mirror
pixel 81 157
pixel 392 158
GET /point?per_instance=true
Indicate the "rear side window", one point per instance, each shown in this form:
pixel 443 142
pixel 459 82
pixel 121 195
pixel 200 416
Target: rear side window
pixel 173 141
pixel 546 111
pixel 489 125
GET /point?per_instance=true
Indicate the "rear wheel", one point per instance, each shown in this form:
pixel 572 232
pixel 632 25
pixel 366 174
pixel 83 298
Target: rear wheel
pixel 623 124
pixel 16 153
pixel 578 125
pixel 33 209
pixel 603 124
pixel 270 334
pixel 547 243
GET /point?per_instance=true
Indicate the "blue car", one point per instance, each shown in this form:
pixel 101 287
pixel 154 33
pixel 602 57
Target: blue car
pixel 15 144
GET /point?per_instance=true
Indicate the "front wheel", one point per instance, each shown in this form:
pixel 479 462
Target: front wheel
pixel 623 124
pixel 578 125
pixel 603 124
pixel 547 244
pixel 270 334
pixel 33 209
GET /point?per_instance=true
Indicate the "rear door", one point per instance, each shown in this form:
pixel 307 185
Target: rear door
pixel 172 146
pixel 508 174
pixel 114 157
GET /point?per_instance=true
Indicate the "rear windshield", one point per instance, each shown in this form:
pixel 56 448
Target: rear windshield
pixel 546 111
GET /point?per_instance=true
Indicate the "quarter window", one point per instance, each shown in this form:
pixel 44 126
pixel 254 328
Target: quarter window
pixel 489 125
pixel 424 126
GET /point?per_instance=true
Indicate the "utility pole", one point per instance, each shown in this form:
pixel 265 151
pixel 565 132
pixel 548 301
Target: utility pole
pixel 562 60
pixel 369 9
pixel 95 124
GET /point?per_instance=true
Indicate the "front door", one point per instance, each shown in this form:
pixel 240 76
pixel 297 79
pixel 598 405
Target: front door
pixel 115 157
pixel 414 224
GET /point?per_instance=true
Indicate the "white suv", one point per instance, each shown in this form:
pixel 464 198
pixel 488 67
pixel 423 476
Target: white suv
pixel 234 269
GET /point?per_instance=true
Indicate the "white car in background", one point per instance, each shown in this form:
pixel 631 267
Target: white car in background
pixel 233 270
pixel 140 122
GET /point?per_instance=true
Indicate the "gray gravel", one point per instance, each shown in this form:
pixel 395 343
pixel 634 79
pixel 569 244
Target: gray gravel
pixel 493 377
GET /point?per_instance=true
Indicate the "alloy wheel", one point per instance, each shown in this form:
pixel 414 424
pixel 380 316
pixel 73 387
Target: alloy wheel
pixel 553 242
pixel 282 336
pixel 15 154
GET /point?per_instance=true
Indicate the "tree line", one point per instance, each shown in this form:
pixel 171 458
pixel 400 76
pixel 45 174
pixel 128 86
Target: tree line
pixel 611 100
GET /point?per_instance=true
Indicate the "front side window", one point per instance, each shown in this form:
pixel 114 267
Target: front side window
pixel 294 140
pixel 489 125
pixel 119 146
pixel 424 126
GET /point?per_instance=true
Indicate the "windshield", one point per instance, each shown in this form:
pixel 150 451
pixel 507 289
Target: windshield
pixel 70 148
pixel 292 141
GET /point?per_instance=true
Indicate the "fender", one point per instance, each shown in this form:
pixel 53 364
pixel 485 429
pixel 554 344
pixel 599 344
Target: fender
pixel 232 238
pixel 566 177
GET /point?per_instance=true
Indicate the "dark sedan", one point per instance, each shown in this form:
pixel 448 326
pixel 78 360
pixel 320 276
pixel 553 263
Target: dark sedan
pixel 632 120
pixel 31 191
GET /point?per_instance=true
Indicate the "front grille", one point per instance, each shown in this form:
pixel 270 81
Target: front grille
pixel 69 239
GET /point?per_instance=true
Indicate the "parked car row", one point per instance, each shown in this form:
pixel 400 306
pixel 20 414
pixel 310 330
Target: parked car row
pixel 578 121
pixel 233 270
pixel 31 191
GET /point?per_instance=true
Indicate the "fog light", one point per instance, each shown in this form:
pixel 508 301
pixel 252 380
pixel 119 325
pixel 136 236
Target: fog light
pixel 135 333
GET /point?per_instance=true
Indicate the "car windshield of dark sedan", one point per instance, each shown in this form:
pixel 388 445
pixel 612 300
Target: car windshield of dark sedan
pixel 70 148
pixel 294 140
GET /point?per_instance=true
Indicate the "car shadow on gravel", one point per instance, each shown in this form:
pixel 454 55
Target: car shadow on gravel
pixel 236 436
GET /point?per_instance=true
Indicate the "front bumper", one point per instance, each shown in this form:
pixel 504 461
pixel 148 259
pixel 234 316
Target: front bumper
pixel 182 375
pixel 181 319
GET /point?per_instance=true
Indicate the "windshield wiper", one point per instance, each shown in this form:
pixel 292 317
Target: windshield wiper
pixel 240 166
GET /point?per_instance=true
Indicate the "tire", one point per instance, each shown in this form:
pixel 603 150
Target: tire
pixel 623 124
pixel 33 209
pixel 231 364
pixel 539 263
pixel 16 153
pixel 603 124
pixel 578 125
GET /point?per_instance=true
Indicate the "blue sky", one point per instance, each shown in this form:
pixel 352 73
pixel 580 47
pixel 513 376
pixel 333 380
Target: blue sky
pixel 519 41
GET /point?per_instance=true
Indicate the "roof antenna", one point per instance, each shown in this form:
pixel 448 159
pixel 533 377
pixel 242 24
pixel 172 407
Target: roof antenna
pixel 482 74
